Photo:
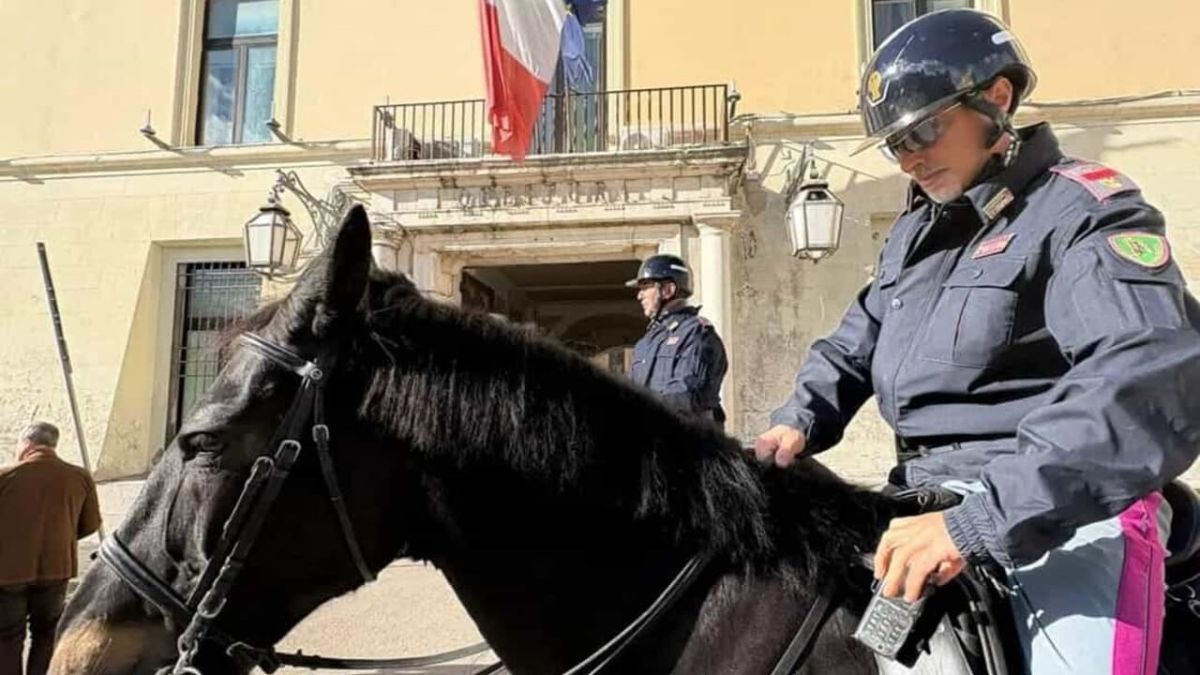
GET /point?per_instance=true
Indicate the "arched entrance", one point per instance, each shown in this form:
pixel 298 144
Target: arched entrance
pixel 585 305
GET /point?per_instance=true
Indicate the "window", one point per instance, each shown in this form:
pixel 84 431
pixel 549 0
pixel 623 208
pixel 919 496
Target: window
pixel 238 71
pixel 888 15
pixel 209 297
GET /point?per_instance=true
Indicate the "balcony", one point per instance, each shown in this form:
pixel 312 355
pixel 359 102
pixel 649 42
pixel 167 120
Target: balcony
pixel 568 124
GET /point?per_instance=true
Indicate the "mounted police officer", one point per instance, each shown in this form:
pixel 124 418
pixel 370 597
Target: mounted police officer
pixel 681 357
pixel 1032 344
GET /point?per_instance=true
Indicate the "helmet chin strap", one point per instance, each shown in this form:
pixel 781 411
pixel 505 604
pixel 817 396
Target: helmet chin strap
pixel 1013 149
pixel 1001 124
pixel 659 302
pixel 999 118
pixel 662 303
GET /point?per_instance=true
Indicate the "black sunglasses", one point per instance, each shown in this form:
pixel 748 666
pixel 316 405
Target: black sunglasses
pixel 920 136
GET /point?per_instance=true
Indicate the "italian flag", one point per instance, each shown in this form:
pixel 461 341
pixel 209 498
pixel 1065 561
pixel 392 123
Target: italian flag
pixel 521 42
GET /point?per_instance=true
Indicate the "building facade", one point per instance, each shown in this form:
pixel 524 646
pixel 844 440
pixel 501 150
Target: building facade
pixel 140 135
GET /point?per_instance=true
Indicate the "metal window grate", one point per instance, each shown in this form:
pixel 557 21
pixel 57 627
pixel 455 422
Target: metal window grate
pixel 209 297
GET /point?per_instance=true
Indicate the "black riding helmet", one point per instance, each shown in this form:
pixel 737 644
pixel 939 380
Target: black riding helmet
pixel 935 61
pixel 665 267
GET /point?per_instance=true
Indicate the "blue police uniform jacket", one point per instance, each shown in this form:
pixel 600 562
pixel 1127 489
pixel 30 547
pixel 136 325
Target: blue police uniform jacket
pixel 1034 335
pixel 682 359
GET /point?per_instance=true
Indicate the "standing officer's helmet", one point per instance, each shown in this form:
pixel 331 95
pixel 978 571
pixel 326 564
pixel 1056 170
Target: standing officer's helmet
pixel 935 61
pixel 665 267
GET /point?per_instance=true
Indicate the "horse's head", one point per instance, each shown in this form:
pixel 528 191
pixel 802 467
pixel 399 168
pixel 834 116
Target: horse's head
pixel 299 558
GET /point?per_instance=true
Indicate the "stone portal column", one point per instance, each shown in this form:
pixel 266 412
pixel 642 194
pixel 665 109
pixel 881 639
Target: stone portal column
pixel 392 255
pixel 714 294
pixel 437 274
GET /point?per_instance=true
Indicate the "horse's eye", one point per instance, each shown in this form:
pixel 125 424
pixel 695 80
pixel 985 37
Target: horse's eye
pixel 201 442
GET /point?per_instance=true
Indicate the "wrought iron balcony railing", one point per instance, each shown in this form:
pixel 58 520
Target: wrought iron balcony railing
pixel 608 121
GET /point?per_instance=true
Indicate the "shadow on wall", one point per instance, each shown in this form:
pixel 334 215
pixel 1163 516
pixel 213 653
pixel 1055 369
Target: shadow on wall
pixel 1093 142
pixel 782 304
pixel 128 446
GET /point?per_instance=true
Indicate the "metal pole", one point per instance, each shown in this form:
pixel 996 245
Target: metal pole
pixel 64 358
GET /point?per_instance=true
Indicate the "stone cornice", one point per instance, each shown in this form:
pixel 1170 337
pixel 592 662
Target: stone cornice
pixel 168 159
pixel 766 128
pixel 724 160
pixel 593 190
pixel 707 160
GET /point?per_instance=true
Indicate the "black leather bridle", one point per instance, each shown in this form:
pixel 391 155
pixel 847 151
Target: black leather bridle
pixel 208 597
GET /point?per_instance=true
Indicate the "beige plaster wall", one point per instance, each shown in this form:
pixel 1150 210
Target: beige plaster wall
pixel 107 239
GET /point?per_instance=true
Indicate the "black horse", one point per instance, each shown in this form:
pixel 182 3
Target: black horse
pixel 557 500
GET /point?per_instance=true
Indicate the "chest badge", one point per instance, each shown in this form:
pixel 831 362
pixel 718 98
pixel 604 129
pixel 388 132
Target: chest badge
pixel 673 339
pixel 998 244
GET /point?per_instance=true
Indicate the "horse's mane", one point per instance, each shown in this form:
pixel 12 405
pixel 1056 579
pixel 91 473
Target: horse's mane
pixel 552 414
pixel 467 388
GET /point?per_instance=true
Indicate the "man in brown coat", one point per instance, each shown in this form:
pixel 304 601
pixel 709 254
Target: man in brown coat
pixel 46 505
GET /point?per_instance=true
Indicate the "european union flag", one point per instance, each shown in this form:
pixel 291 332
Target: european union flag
pixel 578 72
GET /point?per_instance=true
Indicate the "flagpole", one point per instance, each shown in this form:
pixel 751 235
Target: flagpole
pixel 65 359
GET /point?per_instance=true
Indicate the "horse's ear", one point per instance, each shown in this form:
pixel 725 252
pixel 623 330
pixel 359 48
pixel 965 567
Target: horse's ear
pixel 349 268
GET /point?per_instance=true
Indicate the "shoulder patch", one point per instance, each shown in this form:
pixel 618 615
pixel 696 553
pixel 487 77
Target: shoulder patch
pixel 1141 248
pixel 1097 179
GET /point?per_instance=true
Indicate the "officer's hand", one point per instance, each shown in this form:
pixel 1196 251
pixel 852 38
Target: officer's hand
pixel 781 443
pixel 915 551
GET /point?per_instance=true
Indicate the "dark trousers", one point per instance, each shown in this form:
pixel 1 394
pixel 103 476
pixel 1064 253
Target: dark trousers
pixel 40 605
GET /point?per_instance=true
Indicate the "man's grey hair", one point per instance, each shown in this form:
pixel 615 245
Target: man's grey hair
pixel 41 433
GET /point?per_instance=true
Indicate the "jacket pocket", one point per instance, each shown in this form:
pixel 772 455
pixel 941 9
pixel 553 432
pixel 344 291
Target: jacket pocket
pixel 972 322
pixel 1148 297
pixel 885 282
pixel 668 354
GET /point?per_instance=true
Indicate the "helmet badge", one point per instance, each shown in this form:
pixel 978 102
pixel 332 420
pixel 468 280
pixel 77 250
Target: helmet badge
pixel 875 88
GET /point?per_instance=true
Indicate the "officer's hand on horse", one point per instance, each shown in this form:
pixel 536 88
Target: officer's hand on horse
pixel 781 443
pixel 915 551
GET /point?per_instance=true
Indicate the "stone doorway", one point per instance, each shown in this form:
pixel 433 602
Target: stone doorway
pixel 584 305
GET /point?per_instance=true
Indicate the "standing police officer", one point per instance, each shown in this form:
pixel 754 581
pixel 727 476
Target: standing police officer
pixel 1030 341
pixel 681 357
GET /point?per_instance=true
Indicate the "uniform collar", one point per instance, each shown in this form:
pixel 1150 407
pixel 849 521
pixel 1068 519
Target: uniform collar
pixel 677 314
pixel 1039 151
pixel 992 195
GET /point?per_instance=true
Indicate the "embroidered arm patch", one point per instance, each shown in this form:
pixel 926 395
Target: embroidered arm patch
pixel 1141 248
